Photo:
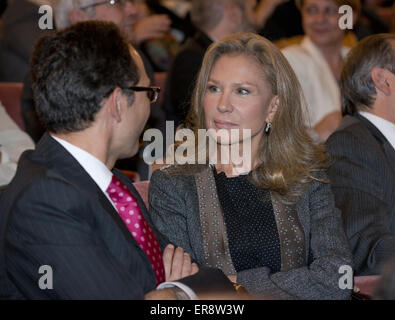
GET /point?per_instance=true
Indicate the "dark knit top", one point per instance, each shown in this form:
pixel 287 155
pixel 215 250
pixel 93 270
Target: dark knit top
pixel 250 224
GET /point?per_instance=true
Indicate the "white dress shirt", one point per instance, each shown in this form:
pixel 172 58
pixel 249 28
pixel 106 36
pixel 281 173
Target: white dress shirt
pixel 98 171
pixel 95 168
pixel 13 141
pixel 386 127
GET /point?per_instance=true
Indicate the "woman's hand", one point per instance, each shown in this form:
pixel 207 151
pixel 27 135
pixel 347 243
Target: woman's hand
pixel 177 263
pixel 233 278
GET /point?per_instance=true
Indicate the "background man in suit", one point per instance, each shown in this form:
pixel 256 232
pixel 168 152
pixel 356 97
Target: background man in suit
pixel 65 208
pixel 362 149
pixel 214 20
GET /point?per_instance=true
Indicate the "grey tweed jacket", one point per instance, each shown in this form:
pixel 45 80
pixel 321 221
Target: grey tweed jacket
pixel 174 210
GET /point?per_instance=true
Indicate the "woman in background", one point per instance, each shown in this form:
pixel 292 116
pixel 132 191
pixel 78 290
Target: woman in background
pixel 270 224
pixel 318 61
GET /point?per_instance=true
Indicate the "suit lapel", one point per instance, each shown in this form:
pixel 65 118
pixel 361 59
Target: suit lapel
pixel 389 152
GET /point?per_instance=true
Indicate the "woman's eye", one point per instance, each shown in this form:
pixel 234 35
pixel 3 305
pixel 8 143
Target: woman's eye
pixel 213 89
pixel 331 11
pixel 311 10
pixel 243 91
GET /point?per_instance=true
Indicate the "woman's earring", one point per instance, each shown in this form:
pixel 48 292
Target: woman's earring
pixel 268 127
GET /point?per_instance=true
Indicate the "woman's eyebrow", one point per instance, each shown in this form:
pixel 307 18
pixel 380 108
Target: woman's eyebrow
pixel 245 83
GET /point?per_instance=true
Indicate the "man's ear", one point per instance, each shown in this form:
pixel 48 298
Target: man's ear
pixel 76 16
pixel 379 77
pixel 273 107
pixel 114 104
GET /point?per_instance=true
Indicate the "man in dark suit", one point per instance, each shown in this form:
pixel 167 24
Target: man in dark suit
pixel 214 20
pixel 362 152
pixel 70 228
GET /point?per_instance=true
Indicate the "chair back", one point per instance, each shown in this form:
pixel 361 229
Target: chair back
pixel 10 97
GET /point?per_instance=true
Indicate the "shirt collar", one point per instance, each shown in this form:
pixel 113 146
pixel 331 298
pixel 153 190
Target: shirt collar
pixel 386 127
pixel 96 169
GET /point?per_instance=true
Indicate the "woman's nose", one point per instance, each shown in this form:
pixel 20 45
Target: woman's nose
pixel 224 103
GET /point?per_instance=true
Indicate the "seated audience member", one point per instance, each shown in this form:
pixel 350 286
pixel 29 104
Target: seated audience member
pixel 3 6
pixel 363 153
pixel 271 226
pixel 13 141
pixel 278 19
pixel 214 21
pixel 318 61
pixel 65 208
pixel 20 30
pixel 371 20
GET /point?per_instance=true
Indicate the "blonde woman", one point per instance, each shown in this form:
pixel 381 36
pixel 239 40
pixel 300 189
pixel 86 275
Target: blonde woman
pixel 273 229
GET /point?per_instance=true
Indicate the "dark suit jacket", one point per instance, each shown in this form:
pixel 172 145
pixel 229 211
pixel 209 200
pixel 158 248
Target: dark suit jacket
pixel 182 75
pixel 54 214
pixel 363 181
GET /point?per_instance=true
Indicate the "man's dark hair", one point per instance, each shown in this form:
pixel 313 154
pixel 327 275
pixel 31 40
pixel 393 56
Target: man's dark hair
pixel 357 87
pixel 75 69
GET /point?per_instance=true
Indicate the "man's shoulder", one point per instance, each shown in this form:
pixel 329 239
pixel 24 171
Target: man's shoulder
pixel 351 128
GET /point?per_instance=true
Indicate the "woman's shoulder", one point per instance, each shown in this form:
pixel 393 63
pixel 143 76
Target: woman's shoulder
pixel 182 169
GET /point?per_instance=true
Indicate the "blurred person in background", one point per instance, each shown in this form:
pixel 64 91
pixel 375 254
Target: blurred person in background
pixel 318 61
pixel 19 31
pixel 13 141
pixel 375 17
pixel 3 6
pixel 278 19
pixel 214 21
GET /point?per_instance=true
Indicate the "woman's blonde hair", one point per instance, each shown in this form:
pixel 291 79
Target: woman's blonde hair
pixel 288 156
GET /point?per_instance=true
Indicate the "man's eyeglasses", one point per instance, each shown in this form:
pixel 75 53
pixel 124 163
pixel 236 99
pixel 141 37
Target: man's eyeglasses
pixel 152 92
pixel 111 2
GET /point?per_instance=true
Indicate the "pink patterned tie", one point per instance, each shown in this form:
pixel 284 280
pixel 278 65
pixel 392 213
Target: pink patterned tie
pixel 131 215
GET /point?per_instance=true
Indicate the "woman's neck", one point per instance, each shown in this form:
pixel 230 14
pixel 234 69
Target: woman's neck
pixel 333 57
pixel 226 162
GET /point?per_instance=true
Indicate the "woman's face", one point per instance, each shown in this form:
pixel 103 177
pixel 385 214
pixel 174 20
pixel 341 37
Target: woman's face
pixel 321 22
pixel 237 97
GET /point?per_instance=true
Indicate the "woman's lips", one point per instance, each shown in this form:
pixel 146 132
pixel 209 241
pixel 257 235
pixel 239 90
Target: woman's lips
pixel 224 124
